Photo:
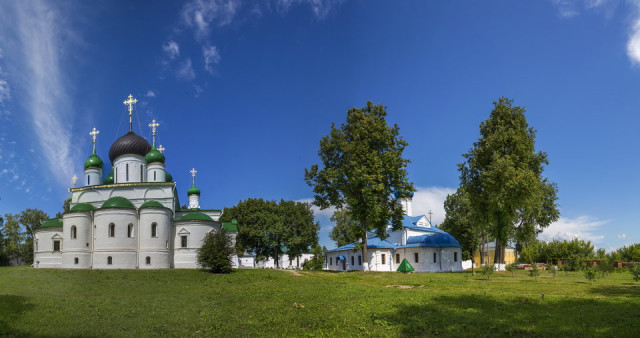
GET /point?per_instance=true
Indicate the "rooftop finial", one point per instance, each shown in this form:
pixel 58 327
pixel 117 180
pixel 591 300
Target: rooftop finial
pixel 193 173
pixel 74 179
pixel 161 149
pixel 94 133
pixel 130 102
pixel 153 126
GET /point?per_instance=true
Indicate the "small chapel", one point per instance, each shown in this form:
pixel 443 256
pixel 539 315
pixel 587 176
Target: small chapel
pixel 131 218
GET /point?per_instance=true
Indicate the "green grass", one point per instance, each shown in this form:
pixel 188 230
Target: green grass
pixel 277 303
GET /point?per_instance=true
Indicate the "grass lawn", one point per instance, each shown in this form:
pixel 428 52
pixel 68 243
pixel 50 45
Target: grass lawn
pixel 279 303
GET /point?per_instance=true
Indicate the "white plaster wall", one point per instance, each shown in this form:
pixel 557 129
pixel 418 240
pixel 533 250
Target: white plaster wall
pixel 81 246
pixel 158 170
pixel 43 255
pixel 185 258
pixel 123 249
pixel 157 248
pixel 135 162
pixel 92 176
pixel 137 194
pixel 246 262
pixel 194 202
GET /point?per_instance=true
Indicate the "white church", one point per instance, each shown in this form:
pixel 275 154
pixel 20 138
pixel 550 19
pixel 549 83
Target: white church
pixel 426 248
pixel 131 219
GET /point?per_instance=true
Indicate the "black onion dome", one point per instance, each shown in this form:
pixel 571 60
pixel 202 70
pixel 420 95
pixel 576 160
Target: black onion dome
pixel 130 143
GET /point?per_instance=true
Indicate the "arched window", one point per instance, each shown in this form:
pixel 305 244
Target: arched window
pixel 148 260
pixel 75 260
pixel 130 230
pixel 88 180
pixel 126 176
pixel 154 175
pixel 116 178
pixel 154 229
pixel 141 174
pixel 74 232
pixel 112 230
pixel 109 260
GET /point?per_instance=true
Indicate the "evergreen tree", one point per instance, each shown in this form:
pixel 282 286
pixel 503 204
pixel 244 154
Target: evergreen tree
pixel 362 168
pixel 216 252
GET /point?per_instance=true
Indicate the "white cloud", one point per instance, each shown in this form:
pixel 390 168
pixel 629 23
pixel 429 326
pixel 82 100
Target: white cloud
pixel 583 227
pixel 566 8
pixel 185 71
pixel 201 14
pixel 328 212
pixel 320 8
pixel 431 198
pixel 211 57
pixel 633 44
pixel 5 92
pixel 198 90
pixel 150 93
pixel 622 236
pixel 171 49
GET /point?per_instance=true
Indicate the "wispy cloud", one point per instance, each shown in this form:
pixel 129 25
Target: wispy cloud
pixel 150 93
pixel 171 49
pixel 39 31
pixel 633 44
pixel 427 199
pixel 201 15
pixel 211 57
pixel 185 71
pixel 622 236
pixel 316 210
pixel 583 227
pixel 319 8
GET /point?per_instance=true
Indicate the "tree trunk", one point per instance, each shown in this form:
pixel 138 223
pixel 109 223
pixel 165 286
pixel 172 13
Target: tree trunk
pixel 298 262
pixel 472 263
pixel 365 260
pixel 277 259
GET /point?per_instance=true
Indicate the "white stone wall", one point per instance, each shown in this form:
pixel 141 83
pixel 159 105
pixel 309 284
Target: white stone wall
pixel 121 248
pixel 155 172
pixel 185 258
pixel 444 259
pixel 44 256
pixel 92 176
pixel 165 194
pixel 136 169
pixel 194 202
pixel 81 246
pixel 159 247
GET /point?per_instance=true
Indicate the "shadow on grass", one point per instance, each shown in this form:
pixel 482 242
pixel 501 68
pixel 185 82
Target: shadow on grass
pixel 626 291
pixel 11 307
pixel 467 315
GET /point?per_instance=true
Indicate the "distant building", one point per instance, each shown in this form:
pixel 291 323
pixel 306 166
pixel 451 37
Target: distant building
pixel 489 251
pixel 426 247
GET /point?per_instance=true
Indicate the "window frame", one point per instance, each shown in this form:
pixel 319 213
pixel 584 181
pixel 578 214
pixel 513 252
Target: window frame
pixel 416 257
pixel 130 230
pixel 184 242
pixel 74 232
pixel 112 230
pixel 57 243
pixel 383 259
pixel 154 230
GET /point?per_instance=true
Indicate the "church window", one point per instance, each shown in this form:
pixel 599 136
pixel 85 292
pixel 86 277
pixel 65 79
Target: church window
pixel 352 260
pixel 434 257
pixel 148 260
pixel 383 258
pixel 116 178
pixel 330 260
pixel 154 175
pixel 75 260
pixel 141 175
pixel 397 258
pixel 455 256
pixel 36 245
pixel 112 230
pixel 56 246
pixel 154 229
pixel 183 241
pixel 126 176
pixel 415 257
pixel 88 180
pixel 74 232
pixel 109 260
pixel 359 260
pixel 130 230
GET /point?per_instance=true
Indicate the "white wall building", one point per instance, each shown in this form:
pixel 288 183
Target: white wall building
pixel 131 219
pixel 427 248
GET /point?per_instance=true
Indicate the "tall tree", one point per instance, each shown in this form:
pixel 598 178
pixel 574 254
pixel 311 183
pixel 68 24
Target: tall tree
pixel 4 257
pixel 502 175
pixel 30 219
pixel 14 235
pixel 362 167
pixel 302 232
pixel 346 229
pixel 461 224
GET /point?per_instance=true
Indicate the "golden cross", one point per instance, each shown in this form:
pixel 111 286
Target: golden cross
pixel 161 148
pixel 73 180
pixel 130 102
pixel 93 134
pixel 153 126
pixel 193 173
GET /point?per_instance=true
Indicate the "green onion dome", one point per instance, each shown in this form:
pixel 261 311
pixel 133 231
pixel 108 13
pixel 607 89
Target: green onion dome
pixel 93 162
pixel 82 207
pixel 118 202
pixel 168 176
pixel 193 191
pixel 196 216
pixel 154 156
pixel 151 204
pixel 109 178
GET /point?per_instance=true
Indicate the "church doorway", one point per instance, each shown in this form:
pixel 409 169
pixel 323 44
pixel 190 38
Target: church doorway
pixel 344 265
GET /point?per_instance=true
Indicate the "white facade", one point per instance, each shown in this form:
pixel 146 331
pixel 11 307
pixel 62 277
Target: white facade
pixel 129 168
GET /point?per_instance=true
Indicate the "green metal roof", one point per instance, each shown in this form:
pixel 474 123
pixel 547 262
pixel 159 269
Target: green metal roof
pixel 168 176
pixel 196 216
pixel 52 223
pixel 118 202
pixel 82 207
pixel 109 178
pixel 193 191
pixel 151 204
pixel 154 156
pixel 93 162
pixel 231 226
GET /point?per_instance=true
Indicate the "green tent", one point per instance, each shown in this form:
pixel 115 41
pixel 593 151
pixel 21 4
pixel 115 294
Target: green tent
pixel 405 266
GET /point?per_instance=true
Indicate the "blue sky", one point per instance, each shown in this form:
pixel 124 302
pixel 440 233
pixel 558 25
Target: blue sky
pixel 244 90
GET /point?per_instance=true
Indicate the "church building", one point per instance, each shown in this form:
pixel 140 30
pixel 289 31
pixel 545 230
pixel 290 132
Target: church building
pixel 424 246
pixel 132 218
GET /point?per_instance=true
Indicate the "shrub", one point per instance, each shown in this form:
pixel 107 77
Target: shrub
pixel 316 262
pixel 534 272
pixel 590 273
pixel 487 270
pixel 552 269
pixel 215 253
pixel 635 271
pixel 510 268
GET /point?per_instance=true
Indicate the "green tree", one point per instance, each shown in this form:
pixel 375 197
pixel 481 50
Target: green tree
pixel 316 263
pixel 302 229
pixel 635 272
pixel 4 257
pixel 346 230
pixel 66 206
pixel 30 219
pixel 216 252
pixel 459 222
pixel 502 175
pixel 628 253
pixel 14 236
pixel 362 168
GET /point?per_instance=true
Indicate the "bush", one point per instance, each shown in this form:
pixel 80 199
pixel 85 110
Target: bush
pixel 534 272
pixel 510 268
pixel 215 253
pixel 552 269
pixel 316 263
pixel 487 270
pixel 590 273
pixel 635 271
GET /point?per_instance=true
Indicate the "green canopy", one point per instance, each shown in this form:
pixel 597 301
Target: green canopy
pixel 405 266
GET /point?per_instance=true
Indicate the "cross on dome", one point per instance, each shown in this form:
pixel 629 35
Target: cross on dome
pixel 74 179
pixel 130 102
pixel 161 148
pixel 153 126
pixel 94 133
pixel 193 173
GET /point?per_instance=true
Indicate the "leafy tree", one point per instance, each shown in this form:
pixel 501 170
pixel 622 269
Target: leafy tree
pixel 487 270
pixel 460 223
pixel 14 236
pixel 510 268
pixel 552 269
pixel 4 257
pixel 628 253
pixel 534 272
pixel 502 175
pixel 216 251
pixel 635 271
pixel 590 274
pixel 316 263
pixel 302 230
pixel 66 206
pixel 346 230
pixel 362 168
pixel 30 219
